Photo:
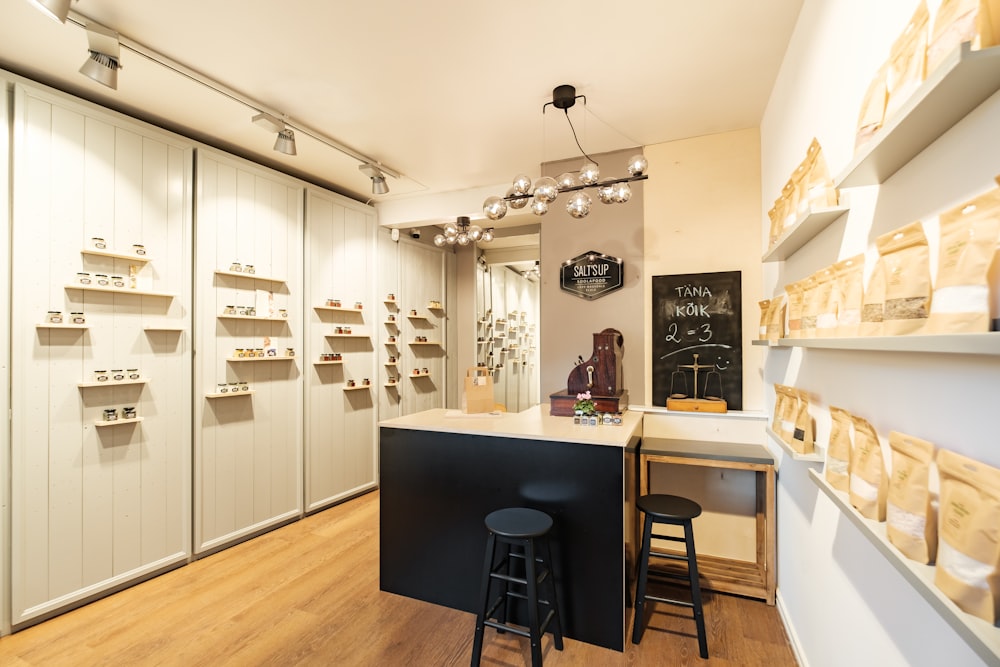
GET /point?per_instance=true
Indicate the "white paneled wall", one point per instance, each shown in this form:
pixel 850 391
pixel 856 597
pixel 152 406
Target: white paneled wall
pixel 390 398
pixel 248 449
pixel 94 506
pixel 4 353
pixel 508 294
pixel 422 271
pixel 341 458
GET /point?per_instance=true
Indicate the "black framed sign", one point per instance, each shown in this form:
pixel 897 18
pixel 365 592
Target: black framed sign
pixel 698 314
pixel 591 275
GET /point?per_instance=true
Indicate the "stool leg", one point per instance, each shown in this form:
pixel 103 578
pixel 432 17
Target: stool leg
pixel 484 601
pixel 640 587
pixel 533 622
pixel 699 617
pixel 556 625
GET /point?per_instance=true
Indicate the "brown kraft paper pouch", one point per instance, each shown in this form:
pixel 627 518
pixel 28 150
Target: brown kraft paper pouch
pixel 808 327
pixel 794 291
pixel 911 519
pixel 869 482
pixel 968 559
pixel 789 410
pixel 776 319
pixel 872 112
pixel 873 303
pixel 825 301
pixel 969 235
pixel 908 60
pixel 803 433
pixel 906 257
pixel 838 452
pixel 820 192
pixel 762 331
pixel 780 396
pixel 957 21
pixel 850 286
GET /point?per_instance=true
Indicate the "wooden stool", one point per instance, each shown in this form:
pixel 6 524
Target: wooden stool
pixel 518 527
pixel 675 511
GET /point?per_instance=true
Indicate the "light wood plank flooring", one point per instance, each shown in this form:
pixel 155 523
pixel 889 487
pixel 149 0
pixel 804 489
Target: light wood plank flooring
pixel 307 594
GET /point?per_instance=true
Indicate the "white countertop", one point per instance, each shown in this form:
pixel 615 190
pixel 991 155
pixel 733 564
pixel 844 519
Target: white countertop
pixel 532 424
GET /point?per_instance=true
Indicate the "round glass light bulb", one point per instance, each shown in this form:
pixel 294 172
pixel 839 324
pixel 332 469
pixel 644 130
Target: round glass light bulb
pixel 578 205
pixel 589 173
pixel 566 180
pixel 622 192
pixel 463 239
pixel 487 235
pixel 637 165
pixel 520 202
pixel 475 232
pixel 539 207
pixel 546 189
pixel 495 207
pixel 440 240
pixel 606 194
pixel 450 229
pixel 522 184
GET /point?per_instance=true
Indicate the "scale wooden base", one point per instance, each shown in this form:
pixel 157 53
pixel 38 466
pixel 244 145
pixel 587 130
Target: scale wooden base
pixel 561 403
pixel 696 405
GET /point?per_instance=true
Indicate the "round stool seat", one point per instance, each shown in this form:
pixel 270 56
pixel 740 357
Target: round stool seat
pixel 662 506
pixel 518 522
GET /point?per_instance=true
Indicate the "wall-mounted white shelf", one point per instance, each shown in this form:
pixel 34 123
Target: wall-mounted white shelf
pixel 434 306
pixel 229 394
pixel 117 422
pixel 416 317
pixel 814 457
pixel 987 344
pixel 982 637
pixel 251 276
pixel 260 359
pixel 328 363
pixel 49 325
pixel 391 342
pixel 339 309
pixel 350 335
pixel 419 375
pixel 808 225
pixel 961 83
pixel 131 256
pixel 253 317
pixel 392 322
pixel 110 383
pixel 357 387
pixel 121 290
pixel 424 342
pixel 390 363
pixel 164 327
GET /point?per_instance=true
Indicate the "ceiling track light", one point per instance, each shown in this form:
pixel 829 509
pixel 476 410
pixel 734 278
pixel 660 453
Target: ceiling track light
pixel 103 63
pixel 285 141
pixel 546 189
pixel 57 10
pixel 463 233
pixel 374 172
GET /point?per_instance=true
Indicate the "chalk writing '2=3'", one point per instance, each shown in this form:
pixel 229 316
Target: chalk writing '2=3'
pixel 702 333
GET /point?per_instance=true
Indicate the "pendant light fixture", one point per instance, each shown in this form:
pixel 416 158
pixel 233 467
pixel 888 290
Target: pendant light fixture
pixel 103 63
pixel 546 189
pixel 463 233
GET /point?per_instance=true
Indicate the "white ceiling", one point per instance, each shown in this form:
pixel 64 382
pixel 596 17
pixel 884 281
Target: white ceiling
pixel 448 93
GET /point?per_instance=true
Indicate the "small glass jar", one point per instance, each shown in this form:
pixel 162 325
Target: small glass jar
pixel 577 416
pixel 234 387
pixel 117 375
pixel 240 353
pixel 117 281
pixel 222 388
pixel 413 312
pixel 132 373
pixel 230 310
pixel 251 311
pixel 54 317
pixel 289 351
pixel 110 415
pixel 391 339
pixel 272 352
pixel 335 303
pixel 366 382
pixel 424 371
pixel 282 312
pixel 101 279
pixel 243 386
pixel 391 318
pixel 325 356
pixel 606 419
pixel 358 305
pixel 101 376
pixel 339 330
pixel 616 419
pixel 392 360
pixel 593 420
pixel 350 383
pixel 337 356
pixel 241 311
pixel 390 297
pixel 99 243
pixel 236 267
pixel 128 412
pixel 83 278
pixel 77 318
pixel 260 352
pixel 249 269
pixel 139 249
pixel 347 330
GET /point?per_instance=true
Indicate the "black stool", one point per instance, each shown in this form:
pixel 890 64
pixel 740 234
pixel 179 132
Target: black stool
pixel 675 511
pixel 517 527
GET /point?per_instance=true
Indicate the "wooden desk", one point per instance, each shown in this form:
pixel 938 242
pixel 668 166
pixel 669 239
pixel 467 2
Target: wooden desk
pixel 753 579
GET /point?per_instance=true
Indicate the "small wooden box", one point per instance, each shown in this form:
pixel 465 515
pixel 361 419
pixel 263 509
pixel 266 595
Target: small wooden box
pixel 561 403
pixel 696 405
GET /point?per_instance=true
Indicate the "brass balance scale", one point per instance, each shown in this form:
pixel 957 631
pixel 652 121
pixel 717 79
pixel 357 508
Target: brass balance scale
pixel 679 398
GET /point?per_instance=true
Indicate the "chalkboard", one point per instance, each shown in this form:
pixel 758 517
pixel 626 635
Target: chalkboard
pixel 698 313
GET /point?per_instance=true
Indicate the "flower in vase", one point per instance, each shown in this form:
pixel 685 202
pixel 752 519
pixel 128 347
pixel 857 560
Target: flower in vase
pixel 584 403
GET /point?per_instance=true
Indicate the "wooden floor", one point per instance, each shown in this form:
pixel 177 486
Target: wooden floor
pixel 307 594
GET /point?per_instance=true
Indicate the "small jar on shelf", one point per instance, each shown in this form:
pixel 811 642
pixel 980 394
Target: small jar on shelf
pixel 128 412
pixel 98 243
pixel 139 249
pixel 77 318
pixel 54 317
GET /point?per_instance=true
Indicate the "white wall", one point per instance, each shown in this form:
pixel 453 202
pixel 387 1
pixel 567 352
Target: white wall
pixel 843 603
pixel 7 89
